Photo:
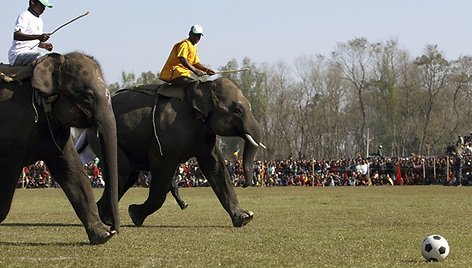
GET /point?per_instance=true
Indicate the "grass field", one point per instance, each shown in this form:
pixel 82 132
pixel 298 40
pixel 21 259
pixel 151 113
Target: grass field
pixel 292 227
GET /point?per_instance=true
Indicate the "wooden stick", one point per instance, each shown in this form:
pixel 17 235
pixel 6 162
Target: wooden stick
pixel 63 25
pixel 69 22
pixel 232 71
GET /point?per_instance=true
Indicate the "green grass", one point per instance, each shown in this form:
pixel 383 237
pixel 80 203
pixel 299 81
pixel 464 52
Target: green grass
pixel 292 227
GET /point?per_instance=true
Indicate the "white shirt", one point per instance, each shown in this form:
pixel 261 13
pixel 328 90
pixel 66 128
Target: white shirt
pixel 27 23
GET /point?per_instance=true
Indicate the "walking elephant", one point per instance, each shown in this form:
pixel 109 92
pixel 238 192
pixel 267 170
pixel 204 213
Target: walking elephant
pixel 72 93
pixel 87 155
pixel 158 134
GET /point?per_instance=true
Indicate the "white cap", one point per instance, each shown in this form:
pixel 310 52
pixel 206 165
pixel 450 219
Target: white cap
pixel 196 29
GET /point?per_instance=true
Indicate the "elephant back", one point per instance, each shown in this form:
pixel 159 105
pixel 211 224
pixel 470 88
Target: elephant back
pixel 15 73
pixel 166 90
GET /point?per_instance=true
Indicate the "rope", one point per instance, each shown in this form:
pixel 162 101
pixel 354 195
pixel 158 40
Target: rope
pixel 52 135
pixel 154 123
pixel 36 117
pixel 47 109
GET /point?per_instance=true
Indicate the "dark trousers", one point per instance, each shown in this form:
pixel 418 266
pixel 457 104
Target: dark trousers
pixel 193 94
pixel 458 169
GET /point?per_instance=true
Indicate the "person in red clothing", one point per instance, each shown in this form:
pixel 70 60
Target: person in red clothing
pixel 96 171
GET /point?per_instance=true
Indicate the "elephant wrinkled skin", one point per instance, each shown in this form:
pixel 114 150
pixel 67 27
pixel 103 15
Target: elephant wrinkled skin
pixel 82 100
pixel 179 135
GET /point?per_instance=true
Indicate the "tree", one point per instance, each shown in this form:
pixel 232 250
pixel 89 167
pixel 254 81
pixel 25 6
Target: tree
pixel 434 72
pixel 128 80
pixel 461 81
pixel 352 60
pixel 322 125
pixel 387 61
pixel 149 78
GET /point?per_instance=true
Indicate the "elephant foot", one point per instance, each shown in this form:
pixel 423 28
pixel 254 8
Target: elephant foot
pixel 101 236
pixel 135 215
pixel 242 219
pixel 183 205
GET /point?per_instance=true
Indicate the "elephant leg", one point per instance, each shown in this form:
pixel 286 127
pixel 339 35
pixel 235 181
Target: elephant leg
pixel 174 189
pixel 219 179
pixel 125 181
pixel 8 181
pixel 132 179
pixel 69 172
pixel 158 189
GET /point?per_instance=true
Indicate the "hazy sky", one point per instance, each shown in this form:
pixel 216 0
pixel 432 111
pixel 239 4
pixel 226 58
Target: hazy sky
pixel 136 36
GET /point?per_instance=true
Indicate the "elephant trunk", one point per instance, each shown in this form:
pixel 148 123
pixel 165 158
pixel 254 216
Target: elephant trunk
pixel 250 149
pixel 106 127
pixel 248 161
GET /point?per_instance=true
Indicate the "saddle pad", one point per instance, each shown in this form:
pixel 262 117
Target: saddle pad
pixel 166 90
pixel 170 91
pixel 17 73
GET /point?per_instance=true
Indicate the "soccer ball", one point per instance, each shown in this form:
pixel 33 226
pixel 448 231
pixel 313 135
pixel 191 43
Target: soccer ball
pixel 435 248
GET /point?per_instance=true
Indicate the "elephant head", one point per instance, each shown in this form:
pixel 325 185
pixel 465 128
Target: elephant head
pixel 82 100
pixel 231 115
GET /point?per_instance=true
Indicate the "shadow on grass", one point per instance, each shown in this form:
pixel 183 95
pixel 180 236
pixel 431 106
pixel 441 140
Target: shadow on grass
pixel 179 226
pixel 42 244
pixel 40 224
pixel 415 261
pixel 75 244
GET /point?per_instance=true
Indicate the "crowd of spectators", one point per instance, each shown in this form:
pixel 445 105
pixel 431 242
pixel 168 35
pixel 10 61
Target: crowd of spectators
pixel 94 173
pixel 376 170
pixel 415 170
pixel 36 176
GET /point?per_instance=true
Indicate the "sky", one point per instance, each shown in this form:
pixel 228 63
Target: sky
pixel 137 36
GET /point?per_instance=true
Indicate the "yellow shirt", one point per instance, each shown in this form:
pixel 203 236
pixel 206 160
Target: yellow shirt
pixel 173 67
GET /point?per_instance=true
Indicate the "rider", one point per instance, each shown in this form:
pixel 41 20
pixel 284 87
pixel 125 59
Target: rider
pixel 29 29
pixel 182 62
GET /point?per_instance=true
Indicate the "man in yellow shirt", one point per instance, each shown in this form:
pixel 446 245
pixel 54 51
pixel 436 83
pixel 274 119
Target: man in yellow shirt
pixel 182 62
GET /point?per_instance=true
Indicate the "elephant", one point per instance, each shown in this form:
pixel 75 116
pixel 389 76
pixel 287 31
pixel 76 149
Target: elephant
pixel 86 155
pixel 157 133
pixel 36 115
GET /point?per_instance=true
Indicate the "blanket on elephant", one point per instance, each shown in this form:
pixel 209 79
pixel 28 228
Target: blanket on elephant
pixel 166 90
pixel 16 73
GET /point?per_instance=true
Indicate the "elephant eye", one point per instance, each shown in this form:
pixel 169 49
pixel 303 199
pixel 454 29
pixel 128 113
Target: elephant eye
pixel 86 96
pixel 238 110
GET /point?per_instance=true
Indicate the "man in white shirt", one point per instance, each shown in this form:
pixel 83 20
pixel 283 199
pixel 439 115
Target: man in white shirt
pixel 28 35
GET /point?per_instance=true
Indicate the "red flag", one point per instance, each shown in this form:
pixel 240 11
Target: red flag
pixel 398 179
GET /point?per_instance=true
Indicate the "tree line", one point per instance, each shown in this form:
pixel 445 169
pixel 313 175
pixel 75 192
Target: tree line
pixel 360 96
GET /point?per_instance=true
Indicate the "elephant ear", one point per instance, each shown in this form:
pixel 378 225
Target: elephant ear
pixel 204 97
pixel 45 73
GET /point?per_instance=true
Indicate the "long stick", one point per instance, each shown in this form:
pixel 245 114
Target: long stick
pixel 232 71
pixel 69 22
pixel 63 25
